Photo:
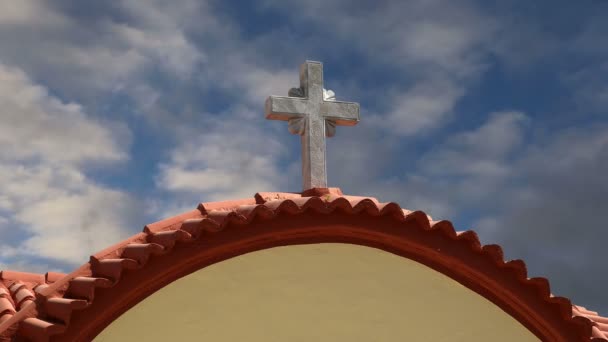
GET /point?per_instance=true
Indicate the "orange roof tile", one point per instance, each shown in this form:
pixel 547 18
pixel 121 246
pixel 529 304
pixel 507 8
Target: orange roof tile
pixel 41 307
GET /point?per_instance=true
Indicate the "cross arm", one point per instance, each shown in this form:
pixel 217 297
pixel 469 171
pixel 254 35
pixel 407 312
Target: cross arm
pixel 342 113
pixel 285 108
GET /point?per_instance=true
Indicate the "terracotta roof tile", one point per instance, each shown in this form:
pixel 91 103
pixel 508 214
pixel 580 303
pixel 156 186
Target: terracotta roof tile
pixel 172 222
pixel 224 205
pixel 17 298
pixel 51 277
pixel 6 306
pixel 23 295
pixel 59 296
pixel 600 326
pixel 262 197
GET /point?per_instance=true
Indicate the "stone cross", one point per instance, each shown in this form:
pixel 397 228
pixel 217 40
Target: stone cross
pixel 312 113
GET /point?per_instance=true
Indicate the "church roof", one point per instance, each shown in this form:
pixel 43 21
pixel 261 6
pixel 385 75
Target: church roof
pixel 77 306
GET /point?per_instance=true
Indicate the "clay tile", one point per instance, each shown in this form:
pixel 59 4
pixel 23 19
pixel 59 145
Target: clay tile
pixel 263 197
pixel 494 252
pixel 4 318
pixel 388 207
pixel 195 227
pixel 6 307
pixel 39 289
pixel 341 203
pixel 192 222
pixel 253 211
pixel 111 268
pixel 84 287
pixel 302 201
pixel 172 222
pixel 471 238
pixel 38 330
pixel 23 295
pixel 585 310
pixel 599 319
pixel 319 192
pixel 225 217
pixel 22 276
pixel 51 277
pixel 16 286
pixel 358 199
pixel 315 203
pixel 141 251
pixel 596 333
pixel 61 308
pixel 275 204
pixel 208 207
pixel 168 238
pixel 365 204
pixel 247 210
pixel 541 284
pixel 518 267
pixel 602 326
pixel 420 218
pixel 407 212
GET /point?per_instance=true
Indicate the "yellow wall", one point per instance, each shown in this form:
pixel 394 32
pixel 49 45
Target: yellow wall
pixel 322 292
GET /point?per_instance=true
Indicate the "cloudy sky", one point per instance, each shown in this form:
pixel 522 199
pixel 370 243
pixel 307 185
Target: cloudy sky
pixel 117 114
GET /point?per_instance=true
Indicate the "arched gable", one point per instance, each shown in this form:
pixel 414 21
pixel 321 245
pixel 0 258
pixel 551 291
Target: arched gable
pixel 81 304
pixel 316 292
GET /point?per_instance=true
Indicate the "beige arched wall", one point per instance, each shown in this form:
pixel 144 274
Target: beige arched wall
pixel 322 292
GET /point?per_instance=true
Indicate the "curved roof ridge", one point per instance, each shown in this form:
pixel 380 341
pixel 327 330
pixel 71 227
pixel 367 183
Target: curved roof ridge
pixel 54 296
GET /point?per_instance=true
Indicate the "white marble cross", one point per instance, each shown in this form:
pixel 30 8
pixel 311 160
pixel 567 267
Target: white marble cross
pixel 313 114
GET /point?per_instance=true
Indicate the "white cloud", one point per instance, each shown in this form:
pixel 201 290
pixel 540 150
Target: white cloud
pixel 38 126
pixel 166 48
pixel 589 39
pixel 231 159
pixel 482 152
pixel 64 215
pixel 552 214
pixel 439 49
pixel 75 224
pixel 421 108
pixel 457 173
pixel 28 12
pixel 79 58
pixel 52 208
pixel 590 87
pixel 258 83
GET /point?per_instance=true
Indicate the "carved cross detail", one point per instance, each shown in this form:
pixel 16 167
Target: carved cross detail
pixel 312 114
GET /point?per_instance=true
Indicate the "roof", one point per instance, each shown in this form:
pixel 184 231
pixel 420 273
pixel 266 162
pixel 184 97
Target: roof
pixel 77 306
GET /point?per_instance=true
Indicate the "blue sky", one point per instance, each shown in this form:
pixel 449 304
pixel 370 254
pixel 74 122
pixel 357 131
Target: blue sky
pixel 114 115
